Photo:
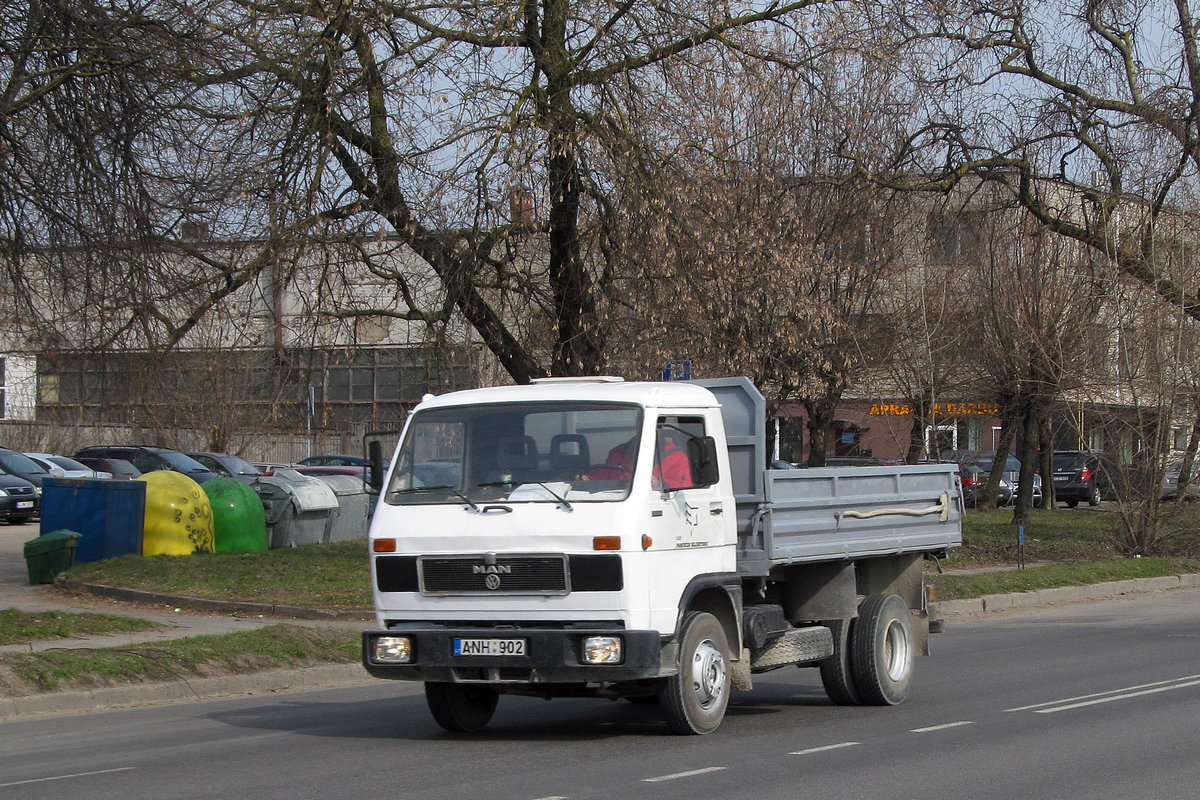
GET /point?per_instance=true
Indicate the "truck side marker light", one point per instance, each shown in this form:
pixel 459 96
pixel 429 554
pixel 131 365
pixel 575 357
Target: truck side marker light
pixel 647 542
pixel 606 543
pixel 384 545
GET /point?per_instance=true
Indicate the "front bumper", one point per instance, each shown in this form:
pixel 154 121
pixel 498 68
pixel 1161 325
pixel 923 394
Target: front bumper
pixel 552 655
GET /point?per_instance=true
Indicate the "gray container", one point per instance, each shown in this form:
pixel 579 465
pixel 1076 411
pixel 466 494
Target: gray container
pixel 299 509
pixel 354 507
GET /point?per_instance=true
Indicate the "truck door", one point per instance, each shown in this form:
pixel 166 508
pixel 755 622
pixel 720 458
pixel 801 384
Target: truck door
pixel 684 516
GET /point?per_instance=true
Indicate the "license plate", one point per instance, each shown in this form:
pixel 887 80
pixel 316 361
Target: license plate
pixel 489 647
pixel 24 504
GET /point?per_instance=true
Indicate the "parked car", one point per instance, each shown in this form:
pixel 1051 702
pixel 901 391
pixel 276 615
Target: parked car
pixel 63 467
pixel 1079 477
pixel 20 500
pixel 1011 473
pixel 228 466
pixel 23 466
pixel 337 461
pixel 974 479
pixel 149 459
pixel 118 468
pixel 1170 484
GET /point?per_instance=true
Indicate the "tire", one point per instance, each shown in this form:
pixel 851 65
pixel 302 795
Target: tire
pixel 1094 497
pixel 461 707
pixel 694 700
pixel 837 675
pixel 882 650
pixel 1072 503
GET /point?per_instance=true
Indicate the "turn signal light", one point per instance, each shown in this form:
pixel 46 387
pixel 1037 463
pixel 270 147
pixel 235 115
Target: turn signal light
pixel 606 543
pixel 384 545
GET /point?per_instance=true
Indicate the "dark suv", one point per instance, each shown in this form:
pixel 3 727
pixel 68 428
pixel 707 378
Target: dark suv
pixel 149 459
pixel 1079 476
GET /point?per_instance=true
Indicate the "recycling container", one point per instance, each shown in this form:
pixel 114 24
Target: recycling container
pixel 354 507
pixel 50 554
pixel 108 515
pixel 299 509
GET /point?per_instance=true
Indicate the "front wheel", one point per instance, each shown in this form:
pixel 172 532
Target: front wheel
pixel 694 700
pixel 882 650
pixel 461 707
pixel 1094 497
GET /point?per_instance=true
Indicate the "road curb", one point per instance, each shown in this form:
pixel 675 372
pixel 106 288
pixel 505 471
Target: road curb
pixel 1061 595
pixel 110 698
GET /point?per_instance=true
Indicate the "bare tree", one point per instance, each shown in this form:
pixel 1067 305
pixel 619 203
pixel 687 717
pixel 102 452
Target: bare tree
pixel 471 131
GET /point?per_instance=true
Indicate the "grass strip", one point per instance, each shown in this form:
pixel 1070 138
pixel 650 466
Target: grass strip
pixel 1049 576
pixel 197 656
pixel 20 627
pixel 333 577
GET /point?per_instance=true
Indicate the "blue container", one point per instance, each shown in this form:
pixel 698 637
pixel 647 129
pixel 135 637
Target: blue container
pixel 109 516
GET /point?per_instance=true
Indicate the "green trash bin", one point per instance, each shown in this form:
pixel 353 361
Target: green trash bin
pixel 50 554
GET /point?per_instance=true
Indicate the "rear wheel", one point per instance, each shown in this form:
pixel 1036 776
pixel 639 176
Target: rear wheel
pixel 882 650
pixel 694 700
pixel 1072 503
pixel 1094 497
pixel 837 676
pixel 461 707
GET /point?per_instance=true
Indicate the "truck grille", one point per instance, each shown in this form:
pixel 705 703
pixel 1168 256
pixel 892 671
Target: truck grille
pixel 510 574
pixel 591 572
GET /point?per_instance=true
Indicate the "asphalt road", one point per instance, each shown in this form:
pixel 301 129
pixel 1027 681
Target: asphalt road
pixel 1095 701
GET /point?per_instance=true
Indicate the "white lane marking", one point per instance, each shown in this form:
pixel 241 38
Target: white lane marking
pixel 1105 694
pixel 1125 696
pixel 65 777
pixel 688 774
pixel 825 749
pixel 943 727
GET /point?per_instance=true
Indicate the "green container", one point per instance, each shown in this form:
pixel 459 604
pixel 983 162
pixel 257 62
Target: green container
pixel 50 554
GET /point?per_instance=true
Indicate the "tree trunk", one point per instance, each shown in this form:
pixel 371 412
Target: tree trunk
pixel 820 421
pixel 1046 463
pixel 1008 430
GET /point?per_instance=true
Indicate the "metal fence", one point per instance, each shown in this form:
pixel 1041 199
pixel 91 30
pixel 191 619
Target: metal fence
pixel 254 446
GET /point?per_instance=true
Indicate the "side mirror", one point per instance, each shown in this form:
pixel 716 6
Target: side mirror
pixel 375 466
pixel 702 455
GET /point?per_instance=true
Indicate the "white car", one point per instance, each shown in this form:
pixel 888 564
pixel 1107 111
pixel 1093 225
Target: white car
pixel 63 467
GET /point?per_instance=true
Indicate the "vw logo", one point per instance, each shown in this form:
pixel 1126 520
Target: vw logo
pixel 492 581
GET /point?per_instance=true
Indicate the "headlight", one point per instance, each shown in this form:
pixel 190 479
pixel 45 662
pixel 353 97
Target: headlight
pixel 602 650
pixel 391 650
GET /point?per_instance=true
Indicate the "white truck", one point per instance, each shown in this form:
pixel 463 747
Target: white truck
pixel 593 537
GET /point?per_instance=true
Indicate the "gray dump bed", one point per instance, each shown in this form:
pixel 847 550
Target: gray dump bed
pixel 833 513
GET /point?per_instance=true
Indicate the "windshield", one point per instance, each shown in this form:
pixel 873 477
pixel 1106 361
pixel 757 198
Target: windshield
pixel 240 467
pixel 538 452
pixel 19 464
pixel 181 462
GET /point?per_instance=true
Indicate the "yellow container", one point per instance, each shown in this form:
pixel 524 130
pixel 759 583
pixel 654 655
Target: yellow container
pixel 179 518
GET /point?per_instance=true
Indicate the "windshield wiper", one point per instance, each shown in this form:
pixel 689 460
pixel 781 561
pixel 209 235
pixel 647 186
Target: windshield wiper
pixel 565 503
pixel 448 489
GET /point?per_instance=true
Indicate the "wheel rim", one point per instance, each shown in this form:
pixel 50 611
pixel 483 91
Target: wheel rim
pixel 708 674
pixel 897 652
